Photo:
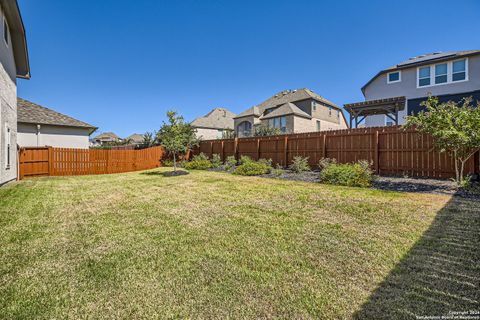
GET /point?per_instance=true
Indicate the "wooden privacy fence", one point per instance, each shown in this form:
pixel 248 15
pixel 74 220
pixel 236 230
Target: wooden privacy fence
pixel 392 150
pixel 48 161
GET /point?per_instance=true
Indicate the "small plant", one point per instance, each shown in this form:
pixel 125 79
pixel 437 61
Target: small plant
pixel 199 162
pixel 244 159
pixel 325 162
pixel 353 175
pixel 277 171
pixel 252 168
pixel 216 161
pixel 466 183
pixel 230 163
pixel 168 163
pixel 300 164
pixel 267 162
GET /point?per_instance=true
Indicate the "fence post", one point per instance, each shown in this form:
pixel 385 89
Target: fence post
pixel 376 156
pixel 258 148
pixel 324 151
pixel 476 165
pixel 50 161
pixel 235 148
pixel 285 151
pixel 223 150
pixel 211 149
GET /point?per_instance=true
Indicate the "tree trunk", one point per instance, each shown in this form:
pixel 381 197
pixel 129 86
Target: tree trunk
pixel 462 166
pixel 455 159
pixel 174 163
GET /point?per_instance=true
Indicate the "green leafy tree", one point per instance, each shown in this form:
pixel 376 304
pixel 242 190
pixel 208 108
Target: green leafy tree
pixel 176 136
pixel 149 139
pixel 455 128
pixel 262 130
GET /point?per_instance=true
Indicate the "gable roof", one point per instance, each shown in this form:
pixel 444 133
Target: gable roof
pixel 218 118
pixel 107 135
pixel 424 60
pixel 136 138
pixel 29 112
pixel 17 37
pixel 286 109
pixel 283 97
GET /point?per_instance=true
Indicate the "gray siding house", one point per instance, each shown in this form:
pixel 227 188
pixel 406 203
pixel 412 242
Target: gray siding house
pixel 292 111
pixel 39 126
pixel 214 125
pixel 13 64
pixel 448 75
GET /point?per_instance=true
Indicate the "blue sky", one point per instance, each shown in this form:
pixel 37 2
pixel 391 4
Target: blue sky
pixel 120 65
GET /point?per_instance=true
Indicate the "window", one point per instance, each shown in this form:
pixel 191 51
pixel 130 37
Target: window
pixel 458 72
pixel 338 114
pixel 8 141
pixel 424 76
pixel 5 30
pixel 278 122
pixel 219 134
pixel 314 105
pixel 389 123
pixel 318 125
pixel 394 77
pixel 330 111
pixel 441 73
pixel 244 129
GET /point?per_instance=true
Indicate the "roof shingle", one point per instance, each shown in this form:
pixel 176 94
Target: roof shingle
pixel 218 118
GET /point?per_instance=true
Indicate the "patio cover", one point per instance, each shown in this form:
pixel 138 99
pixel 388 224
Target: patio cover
pixel 389 107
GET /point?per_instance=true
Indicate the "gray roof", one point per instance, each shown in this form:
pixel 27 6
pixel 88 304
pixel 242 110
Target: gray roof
pixel 284 97
pixel 286 109
pixel 107 136
pixel 135 138
pixel 218 118
pixel 29 112
pixel 423 60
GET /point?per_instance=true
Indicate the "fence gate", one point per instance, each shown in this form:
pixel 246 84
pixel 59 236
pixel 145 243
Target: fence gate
pixel 33 161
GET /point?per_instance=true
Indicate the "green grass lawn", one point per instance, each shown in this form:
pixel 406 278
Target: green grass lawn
pixel 214 245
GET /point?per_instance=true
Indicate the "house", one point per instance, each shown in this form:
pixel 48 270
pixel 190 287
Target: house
pixel 397 92
pixel 135 139
pixel 214 125
pixel 40 126
pixel 291 111
pixel 106 138
pixel 14 64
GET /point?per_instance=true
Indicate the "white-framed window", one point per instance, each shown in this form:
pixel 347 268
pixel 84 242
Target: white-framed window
pixel 8 147
pixel 5 31
pixel 393 77
pixel 318 125
pixel 330 111
pixel 442 73
pixel 278 122
pixel 338 114
pixel 314 105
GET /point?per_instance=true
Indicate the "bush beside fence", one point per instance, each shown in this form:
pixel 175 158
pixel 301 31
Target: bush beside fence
pixel 391 150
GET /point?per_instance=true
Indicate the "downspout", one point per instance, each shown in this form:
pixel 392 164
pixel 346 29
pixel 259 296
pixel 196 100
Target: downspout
pixel 38 134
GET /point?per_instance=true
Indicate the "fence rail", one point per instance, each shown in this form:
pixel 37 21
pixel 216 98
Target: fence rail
pixel 392 150
pixel 48 161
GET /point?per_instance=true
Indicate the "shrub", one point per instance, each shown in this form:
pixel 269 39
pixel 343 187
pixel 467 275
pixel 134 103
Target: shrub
pixel 244 159
pixel 325 162
pixel 353 175
pixel 267 162
pixel 199 162
pixel 168 163
pixel 252 168
pixel 277 171
pixel 300 164
pixel 230 163
pixel 216 161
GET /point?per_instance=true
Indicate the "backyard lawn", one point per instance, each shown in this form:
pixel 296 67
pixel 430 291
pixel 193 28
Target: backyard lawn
pixel 214 245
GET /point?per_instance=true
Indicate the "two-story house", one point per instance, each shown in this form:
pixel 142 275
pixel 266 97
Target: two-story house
pixel 394 93
pixel 216 124
pixel 291 111
pixel 13 64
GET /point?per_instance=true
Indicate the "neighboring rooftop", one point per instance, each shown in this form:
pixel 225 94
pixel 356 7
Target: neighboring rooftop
pixel 218 118
pixel 109 136
pixel 29 112
pixel 286 109
pixel 425 59
pixel 135 138
pixel 283 97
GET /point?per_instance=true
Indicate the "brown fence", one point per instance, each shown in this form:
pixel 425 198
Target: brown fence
pixel 392 150
pixel 48 161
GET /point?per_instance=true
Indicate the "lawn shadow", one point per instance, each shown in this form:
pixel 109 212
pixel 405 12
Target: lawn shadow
pixel 440 274
pixel 166 173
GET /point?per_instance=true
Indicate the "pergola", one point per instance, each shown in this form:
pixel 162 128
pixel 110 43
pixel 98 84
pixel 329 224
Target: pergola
pixel 388 107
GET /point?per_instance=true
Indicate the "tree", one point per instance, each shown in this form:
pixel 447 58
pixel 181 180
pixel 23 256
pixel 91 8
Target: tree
pixel 149 139
pixel 176 136
pixel 454 127
pixel 263 130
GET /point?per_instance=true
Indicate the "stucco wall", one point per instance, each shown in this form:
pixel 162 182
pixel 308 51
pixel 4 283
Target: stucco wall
pixel 54 136
pixel 380 89
pixel 208 134
pixel 252 119
pixel 8 109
